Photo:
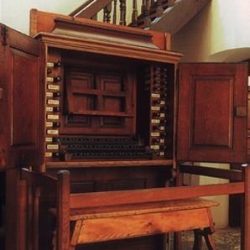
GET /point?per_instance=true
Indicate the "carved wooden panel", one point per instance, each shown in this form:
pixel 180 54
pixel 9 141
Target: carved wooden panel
pixel 212 113
pixel 81 93
pixel 99 102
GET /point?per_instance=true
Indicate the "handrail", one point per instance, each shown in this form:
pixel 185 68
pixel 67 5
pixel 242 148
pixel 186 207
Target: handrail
pixel 81 7
pixel 140 17
pixel 90 8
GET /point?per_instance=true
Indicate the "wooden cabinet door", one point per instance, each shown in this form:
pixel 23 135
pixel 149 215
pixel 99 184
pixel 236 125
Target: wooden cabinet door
pixel 19 98
pixel 212 112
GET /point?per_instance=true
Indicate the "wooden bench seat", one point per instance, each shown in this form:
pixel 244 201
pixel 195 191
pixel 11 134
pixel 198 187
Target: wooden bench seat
pixel 120 222
pixel 92 217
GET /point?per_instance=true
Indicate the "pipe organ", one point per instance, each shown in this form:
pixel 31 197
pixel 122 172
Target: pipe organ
pixel 101 101
pixel 108 107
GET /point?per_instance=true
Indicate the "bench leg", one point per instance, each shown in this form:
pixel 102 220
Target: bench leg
pixel 177 241
pixel 207 233
pixel 197 239
pixel 54 246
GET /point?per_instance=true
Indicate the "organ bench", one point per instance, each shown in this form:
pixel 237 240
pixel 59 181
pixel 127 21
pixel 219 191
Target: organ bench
pixel 104 216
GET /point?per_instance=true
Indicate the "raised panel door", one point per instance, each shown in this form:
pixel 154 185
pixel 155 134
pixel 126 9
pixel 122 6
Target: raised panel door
pixel 19 99
pixel 212 112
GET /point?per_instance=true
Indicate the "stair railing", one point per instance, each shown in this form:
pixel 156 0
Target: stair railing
pixel 117 11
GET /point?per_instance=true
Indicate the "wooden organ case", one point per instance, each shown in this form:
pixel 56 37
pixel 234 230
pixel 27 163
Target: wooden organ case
pixel 100 101
pixel 108 100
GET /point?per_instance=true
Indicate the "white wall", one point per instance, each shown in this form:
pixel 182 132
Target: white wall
pixel 1 10
pixel 217 33
pixel 15 13
pixel 230 24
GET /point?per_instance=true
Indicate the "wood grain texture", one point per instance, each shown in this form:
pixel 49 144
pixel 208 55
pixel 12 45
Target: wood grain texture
pixel 140 209
pixel 153 195
pixel 110 164
pixel 103 229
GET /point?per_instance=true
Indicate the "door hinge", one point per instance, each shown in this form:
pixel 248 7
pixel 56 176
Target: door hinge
pixel 4 31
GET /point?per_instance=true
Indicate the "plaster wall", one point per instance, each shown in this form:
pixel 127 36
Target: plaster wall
pixel 219 33
pixel 1 3
pixel 15 13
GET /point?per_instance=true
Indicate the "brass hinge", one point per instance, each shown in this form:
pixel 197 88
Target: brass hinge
pixel 4 31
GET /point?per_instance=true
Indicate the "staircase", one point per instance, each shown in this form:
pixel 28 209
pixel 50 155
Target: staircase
pixel 162 15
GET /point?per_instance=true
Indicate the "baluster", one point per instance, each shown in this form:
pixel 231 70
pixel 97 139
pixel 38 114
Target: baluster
pixel 159 8
pixel 165 4
pixel 134 13
pixel 152 5
pixel 115 12
pixel 94 17
pixel 143 6
pixel 148 4
pixel 122 12
pixel 107 13
pixel 146 13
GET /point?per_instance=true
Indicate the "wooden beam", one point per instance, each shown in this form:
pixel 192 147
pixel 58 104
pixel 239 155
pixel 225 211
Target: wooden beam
pixel 233 175
pixel 111 164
